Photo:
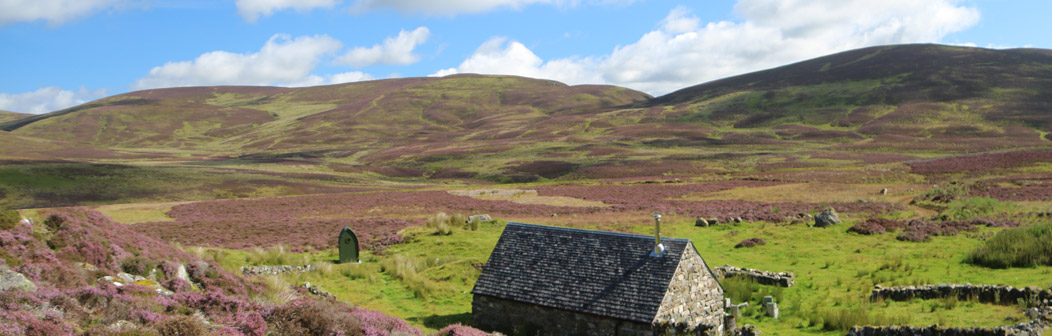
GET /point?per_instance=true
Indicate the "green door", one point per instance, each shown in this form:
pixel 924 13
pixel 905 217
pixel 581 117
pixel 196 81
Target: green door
pixel 348 244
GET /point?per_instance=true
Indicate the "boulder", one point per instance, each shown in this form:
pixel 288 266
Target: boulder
pixel 884 191
pixel 13 280
pixel 701 222
pixel 827 218
pixel 480 218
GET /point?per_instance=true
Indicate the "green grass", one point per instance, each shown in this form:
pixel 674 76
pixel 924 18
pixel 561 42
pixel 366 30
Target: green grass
pixel 428 280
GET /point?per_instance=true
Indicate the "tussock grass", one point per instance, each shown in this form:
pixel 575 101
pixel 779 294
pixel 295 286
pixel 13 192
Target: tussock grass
pixel 1017 247
pixel 275 255
pixel 407 270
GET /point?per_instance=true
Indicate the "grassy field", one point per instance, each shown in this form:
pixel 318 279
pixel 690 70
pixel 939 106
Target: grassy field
pixel 428 280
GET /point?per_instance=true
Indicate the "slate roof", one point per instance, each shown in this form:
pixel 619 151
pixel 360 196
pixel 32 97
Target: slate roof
pixel 602 273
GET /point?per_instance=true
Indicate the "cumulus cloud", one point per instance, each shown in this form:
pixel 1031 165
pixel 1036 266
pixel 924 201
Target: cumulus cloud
pixel 395 50
pixel 454 7
pixel 47 99
pixel 502 56
pixel 281 61
pixel 684 52
pixel 340 78
pixel 55 12
pixel 252 10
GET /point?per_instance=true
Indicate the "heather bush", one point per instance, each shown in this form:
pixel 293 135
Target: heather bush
pixel 312 317
pixel 460 330
pixel 877 225
pixel 182 325
pixel 9 219
pixel 1018 247
pixel 751 242
pixel 137 265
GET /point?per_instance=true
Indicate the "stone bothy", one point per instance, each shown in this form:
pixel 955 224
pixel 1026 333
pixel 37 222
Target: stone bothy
pixel 560 281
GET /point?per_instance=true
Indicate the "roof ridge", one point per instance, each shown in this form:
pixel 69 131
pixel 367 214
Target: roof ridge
pixel 620 234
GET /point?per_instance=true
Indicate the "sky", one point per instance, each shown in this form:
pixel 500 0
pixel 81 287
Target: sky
pixel 61 53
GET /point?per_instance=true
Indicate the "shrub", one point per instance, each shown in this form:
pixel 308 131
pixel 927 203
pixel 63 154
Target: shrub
pixel 876 226
pixel 137 265
pixel 182 325
pixel 312 317
pixel 460 330
pixel 8 219
pixel 751 242
pixel 1018 247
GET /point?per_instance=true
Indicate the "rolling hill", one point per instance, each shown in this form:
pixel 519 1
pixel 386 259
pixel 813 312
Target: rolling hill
pixel 906 100
pixel 6 116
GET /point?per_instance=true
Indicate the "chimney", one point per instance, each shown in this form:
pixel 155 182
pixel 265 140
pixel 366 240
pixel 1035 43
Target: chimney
pixel 659 250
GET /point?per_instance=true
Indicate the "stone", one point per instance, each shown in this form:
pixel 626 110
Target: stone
pixel 129 278
pixel 735 312
pixel 727 303
pixel 182 274
pixel 772 309
pixel 480 218
pixel 737 220
pixel 701 222
pixel 768 299
pixel 10 279
pixel 884 191
pixel 827 218
pixel 714 221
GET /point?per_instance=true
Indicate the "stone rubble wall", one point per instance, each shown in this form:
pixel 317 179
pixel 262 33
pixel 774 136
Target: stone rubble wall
pixel 781 279
pixel 998 294
pixel 1032 328
pixel 275 270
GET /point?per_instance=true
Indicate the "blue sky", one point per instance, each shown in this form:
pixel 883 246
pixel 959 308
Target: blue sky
pixel 59 53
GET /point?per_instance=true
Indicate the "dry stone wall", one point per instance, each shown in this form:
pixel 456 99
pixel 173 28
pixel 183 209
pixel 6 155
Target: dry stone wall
pixel 275 270
pixel 1033 328
pixel 998 294
pixel 782 279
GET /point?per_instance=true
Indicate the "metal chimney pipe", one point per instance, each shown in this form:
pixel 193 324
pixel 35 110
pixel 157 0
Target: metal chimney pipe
pixel 659 250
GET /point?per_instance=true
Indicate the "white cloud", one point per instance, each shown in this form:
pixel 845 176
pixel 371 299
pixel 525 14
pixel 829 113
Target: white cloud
pixel 454 7
pixel 684 52
pixel 47 99
pixel 55 12
pixel 501 56
pixel 395 50
pixel 281 61
pixel 251 10
pixel 346 77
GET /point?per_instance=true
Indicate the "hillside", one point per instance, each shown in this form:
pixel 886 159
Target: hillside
pixel 892 103
pixel 6 116
pixel 260 119
pixel 913 90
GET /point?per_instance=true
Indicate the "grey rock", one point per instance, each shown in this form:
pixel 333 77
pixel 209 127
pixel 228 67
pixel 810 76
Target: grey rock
pixel 701 222
pixel 827 218
pixel 10 279
pixel 884 191
pixel 480 218
pixel 181 273
pixel 772 309
pixel 129 278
